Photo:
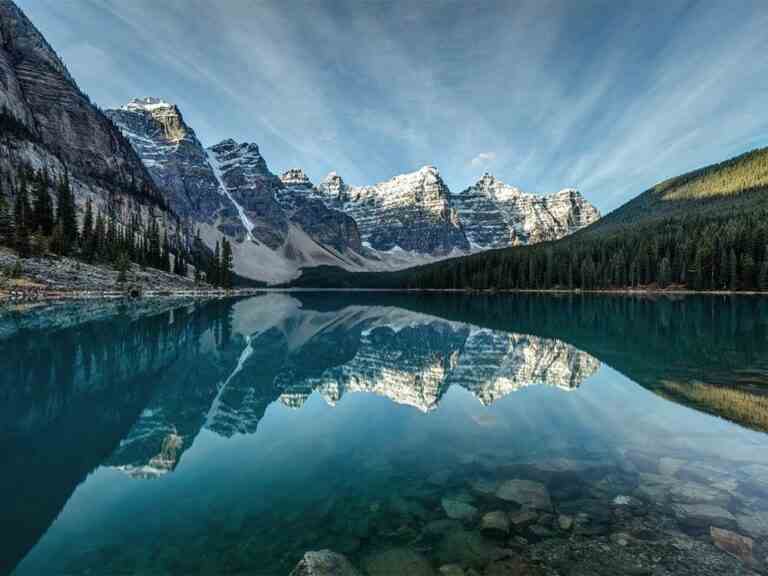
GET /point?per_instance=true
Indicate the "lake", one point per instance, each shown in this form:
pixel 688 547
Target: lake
pixel 412 433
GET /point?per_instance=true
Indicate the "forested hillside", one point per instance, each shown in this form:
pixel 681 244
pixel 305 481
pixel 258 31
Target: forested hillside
pixel 705 230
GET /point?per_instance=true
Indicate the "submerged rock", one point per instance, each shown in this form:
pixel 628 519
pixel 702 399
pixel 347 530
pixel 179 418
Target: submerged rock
pixel 754 523
pixel 703 515
pixel 324 563
pixel 670 466
pixel 467 548
pixel 459 510
pixel 441 527
pixel 397 561
pixel 483 486
pixel 523 518
pixel 495 524
pixel 733 544
pixel 692 492
pixel 526 493
pixel 565 522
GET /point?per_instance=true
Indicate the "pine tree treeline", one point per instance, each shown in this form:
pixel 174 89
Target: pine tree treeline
pixel 32 223
pixel 725 252
pixel 219 269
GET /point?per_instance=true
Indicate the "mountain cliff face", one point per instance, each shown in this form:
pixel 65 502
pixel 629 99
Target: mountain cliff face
pixel 496 215
pixel 58 129
pixel 412 212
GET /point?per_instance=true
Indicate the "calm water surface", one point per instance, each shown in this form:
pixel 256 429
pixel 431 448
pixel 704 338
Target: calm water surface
pixel 477 435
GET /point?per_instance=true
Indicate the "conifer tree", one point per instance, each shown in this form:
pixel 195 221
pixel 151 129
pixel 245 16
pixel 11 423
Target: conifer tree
pixel 66 215
pixel 213 267
pixel 122 265
pixel 734 274
pixel 165 262
pixel 42 215
pixel 21 214
pixel 98 239
pixel 86 237
pixel 665 272
pixel 225 268
pixel 747 272
pixel 762 282
pixel 6 220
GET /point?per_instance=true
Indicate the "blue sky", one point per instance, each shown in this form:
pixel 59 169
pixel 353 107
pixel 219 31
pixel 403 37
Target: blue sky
pixel 609 97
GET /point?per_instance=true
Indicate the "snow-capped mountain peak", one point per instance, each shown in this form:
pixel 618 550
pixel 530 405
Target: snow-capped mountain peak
pixel 147 104
pixel 295 176
pixel 495 215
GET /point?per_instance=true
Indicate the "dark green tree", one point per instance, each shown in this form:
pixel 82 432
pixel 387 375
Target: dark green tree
pixel 213 275
pixel 122 265
pixel 225 268
pixel 734 271
pixel 86 237
pixel 66 215
pixel 42 216
pixel 665 272
pixel 762 282
pixel 7 232
pixel 21 214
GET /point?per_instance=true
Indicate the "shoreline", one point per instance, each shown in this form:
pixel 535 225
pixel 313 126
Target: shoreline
pixel 43 295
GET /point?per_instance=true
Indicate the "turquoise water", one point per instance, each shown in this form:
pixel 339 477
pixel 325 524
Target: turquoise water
pixel 491 434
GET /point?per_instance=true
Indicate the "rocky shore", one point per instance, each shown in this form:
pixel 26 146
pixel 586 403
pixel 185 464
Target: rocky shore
pixel 650 516
pixel 55 278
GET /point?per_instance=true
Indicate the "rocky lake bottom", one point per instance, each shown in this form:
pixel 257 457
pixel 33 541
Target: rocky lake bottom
pixel 280 434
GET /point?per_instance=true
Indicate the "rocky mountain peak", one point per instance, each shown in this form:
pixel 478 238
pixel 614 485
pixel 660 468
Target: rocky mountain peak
pixel 334 188
pixel 486 180
pixel 294 177
pixel 165 115
pixel 496 215
pixel 147 104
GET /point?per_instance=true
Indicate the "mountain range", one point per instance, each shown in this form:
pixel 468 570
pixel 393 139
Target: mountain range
pixel 280 225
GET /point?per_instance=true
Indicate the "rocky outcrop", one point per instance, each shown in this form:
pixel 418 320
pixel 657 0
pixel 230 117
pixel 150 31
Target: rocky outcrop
pixel 495 215
pixel 412 212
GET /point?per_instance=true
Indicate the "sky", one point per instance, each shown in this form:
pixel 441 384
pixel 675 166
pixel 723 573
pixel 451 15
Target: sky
pixel 604 96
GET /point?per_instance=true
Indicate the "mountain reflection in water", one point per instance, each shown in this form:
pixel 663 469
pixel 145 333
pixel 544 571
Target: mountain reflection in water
pixel 134 389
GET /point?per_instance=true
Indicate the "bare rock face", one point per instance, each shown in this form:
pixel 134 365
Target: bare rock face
pixel 248 182
pixel 495 215
pixel 61 122
pixel 412 212
pixel 305 207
